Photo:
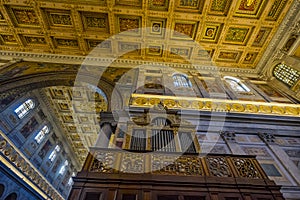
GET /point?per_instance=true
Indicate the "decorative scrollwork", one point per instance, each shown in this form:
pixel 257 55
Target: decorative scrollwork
pixel 184 165
pixel 103 162
pixel 133 163
pixel 218 166
pixel 246 168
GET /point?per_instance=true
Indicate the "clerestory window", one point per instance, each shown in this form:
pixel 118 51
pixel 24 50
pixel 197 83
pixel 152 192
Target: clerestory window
pixel 24 108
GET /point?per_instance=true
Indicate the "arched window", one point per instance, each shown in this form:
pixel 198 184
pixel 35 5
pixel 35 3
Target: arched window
pixel 53 154
pixel 181 80
pixel 41 134
pixel 63 168
pixel 286 74
pixel 236 84
pixel 70 182
pixel 24 108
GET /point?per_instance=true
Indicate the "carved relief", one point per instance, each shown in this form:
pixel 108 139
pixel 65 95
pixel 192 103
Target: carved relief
pixel 93 21
pixel 205 54
pixel 228 55
pixel 129 24
pixel 246 168
pixel 59 19
pixel 182 30
pixel 159 4
pixel 261 36
pixel 276 9
pixel 103 162
pixel 184 165
pixel 155 50
pixel 250 57
pixel 250 8
pixel 66 42
pixel 133 163
pixel 8 39
pixel 290 43
pixel 25 16
pixel 34 40
pixel 218 167
pixel 184 52
pixel 2 19
pixel 211 32
pixel 133 48
pixel 236 35
pixel 219 7
pixel 99 44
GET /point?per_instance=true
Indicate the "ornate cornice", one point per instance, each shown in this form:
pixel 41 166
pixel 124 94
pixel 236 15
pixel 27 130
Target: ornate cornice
pixel 89 60
pixel 214 105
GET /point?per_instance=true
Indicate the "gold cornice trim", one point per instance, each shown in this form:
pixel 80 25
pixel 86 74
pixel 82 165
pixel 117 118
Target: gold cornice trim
pixel 215 105
pixel 70 59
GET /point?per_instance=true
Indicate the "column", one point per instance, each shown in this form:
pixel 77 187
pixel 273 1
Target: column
pixel 108 126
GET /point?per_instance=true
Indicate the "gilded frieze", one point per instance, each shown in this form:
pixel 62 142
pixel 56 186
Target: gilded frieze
pixel 131 48
pixel 219 7
pixel 140 100
pixel 59 19
pixel 8 39
pixel 276 9
pixel 184 30
pixel 154 50
pixel 250 57
pixel 211 32
pixel 129 24
pixel 206 54
pixel 2 19
pixel 178 51
pixel 229 56
pixel 159 4
pixel 66 42
pixel 99 44
pixel 261 36
pixel 190 5
pixel 95 21
pixel 237 35
pixel 24 16
pixel 250 8
pixel 34 40
pixel 157 26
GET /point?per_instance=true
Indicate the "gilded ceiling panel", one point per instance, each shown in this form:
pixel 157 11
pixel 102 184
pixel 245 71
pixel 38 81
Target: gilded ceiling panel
pixel 64 27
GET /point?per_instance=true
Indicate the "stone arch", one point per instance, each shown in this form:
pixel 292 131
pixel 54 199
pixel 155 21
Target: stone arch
pixel 24 84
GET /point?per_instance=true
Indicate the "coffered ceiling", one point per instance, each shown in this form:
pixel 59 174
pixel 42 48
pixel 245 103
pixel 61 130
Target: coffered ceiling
pixel 234 33
pixel 78 111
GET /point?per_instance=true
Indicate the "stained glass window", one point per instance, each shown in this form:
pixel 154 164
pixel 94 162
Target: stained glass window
pixel 41 134
pixel 236 84
pixel 286 74
pixel 181 80
pixel 24 108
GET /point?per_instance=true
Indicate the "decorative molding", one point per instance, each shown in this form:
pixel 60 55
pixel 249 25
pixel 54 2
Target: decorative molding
pixel 214 105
